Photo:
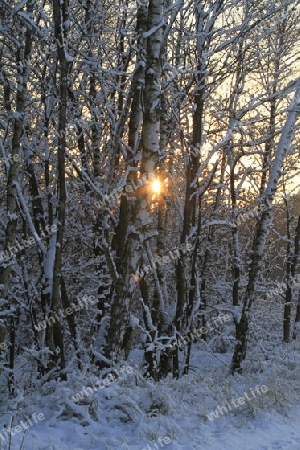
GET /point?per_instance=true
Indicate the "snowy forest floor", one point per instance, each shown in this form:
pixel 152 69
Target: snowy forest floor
pixel 134 413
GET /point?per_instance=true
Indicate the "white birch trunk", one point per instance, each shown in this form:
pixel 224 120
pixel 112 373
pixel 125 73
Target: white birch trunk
pixel 262 231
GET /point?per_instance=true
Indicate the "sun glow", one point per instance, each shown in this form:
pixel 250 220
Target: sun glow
pixel 156 186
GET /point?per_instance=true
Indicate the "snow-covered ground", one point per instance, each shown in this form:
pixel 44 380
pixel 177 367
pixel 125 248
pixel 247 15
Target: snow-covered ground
pixel 268 431
pixel 134 413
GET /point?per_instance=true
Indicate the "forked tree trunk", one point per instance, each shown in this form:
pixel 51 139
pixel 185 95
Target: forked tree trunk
pixel 186 292
pixel 127 245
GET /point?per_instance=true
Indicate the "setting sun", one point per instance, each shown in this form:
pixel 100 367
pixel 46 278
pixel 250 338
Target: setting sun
pixel 156 186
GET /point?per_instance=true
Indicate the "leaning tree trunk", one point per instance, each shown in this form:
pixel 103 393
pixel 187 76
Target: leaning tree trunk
pixel 261 232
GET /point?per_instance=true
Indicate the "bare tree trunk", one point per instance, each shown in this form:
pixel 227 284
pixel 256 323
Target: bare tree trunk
pixel 297 254
pixel 261 232
pixel 127 245
pixel 91 34
pixel 190 203
pixel 269 145
pixel 203 30
pixel 289 280
pixel 10 234
pixel 297 319
pixel 54 338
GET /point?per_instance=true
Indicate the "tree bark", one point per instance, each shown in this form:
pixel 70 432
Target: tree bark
pixel 54 337
pixel 127 244
pixel 13 172
pixel 261 232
